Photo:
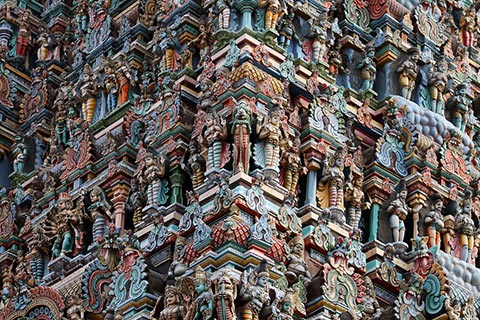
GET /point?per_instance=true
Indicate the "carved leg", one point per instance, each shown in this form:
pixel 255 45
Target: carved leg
pixel 155 185
pixel 245 151
pixel 89 109
pixel 67 244
pixel 294 183
pixel 217 153
pixel 332 195
pixel 394 225
pixel 268 155
pixel 268 19
pixel 225 19
pixel 274 19
pixel 98 228
pixel 401 232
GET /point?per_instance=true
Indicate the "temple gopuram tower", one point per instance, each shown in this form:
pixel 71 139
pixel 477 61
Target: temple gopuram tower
pixel 239 159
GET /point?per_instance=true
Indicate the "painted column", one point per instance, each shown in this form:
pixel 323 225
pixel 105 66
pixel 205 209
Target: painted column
pixel 120 196
pixel 311 195
pixel 373 222
pixel 177 180
pixel 246 7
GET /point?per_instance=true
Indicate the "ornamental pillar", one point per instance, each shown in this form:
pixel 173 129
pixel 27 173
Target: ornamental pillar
pixel 311 194
pixel 177 180
pixel 373 222
pixel 120 196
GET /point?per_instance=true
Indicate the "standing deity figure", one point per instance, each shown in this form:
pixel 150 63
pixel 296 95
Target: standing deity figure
pixel 355 198
pixel 448 231
pixel 398 211
pixel 24 33
pixel 437 83
pixel 19 152
pixel 292 162
pixel 99 210
pixel 270 131
pixel 88 93
pixel 165 48
pixel 241 129
pixel 65 228
pixel 173 310
pixel 75 310
pixel 37 248
pixel 458 106
pixel 206 98
pixel 318 33
pixel 434 220
pixel 136 201
pixel 195 164
pixel 125 79
pixel 44 42
pixel 408 71
pixel 223 8
pixel 330 188
pixel 225 295
pixel 213 136
pixel 368 69
pixel 284 308
pixel 467 25
pixel 179 266
pixel 273 10
pixel 81 13
pixel 297 269
pixel 110 83
pixel 203 304
pixel 254 292
pixel 204 39
pixel 151 176
pixel 286 30
pixel 465 227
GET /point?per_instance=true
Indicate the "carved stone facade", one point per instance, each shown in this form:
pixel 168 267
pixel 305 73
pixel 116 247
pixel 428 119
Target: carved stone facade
pixel 239 159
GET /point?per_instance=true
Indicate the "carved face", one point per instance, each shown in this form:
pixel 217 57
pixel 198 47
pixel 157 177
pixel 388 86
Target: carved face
pixel 415 56
pixel 62 205
pixel 171 299
pixel 438 205
pixel 286 306
pixel 467 207
pixel 149 161
pixel 275 119
pixel 200 287
pixel 262 281
pixel 94 196
pixel 403 194
pixel 297 248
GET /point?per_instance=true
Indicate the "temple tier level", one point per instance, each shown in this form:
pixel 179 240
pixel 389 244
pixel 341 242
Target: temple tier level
pixel 239 159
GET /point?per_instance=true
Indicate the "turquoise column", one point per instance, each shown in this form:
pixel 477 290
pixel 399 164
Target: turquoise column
pixel 373 222
pixel 177 181
pixel 311 194
pixel 246 7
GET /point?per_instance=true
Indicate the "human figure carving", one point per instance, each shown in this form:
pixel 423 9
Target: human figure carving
pixel 254 292
pixel 434 220
pixel 408 71
pixel 465 227
pixel 241 129
pixel 398 211
pixel 330 188
pixel 437 84
pixel 368 70
pixel 269 130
